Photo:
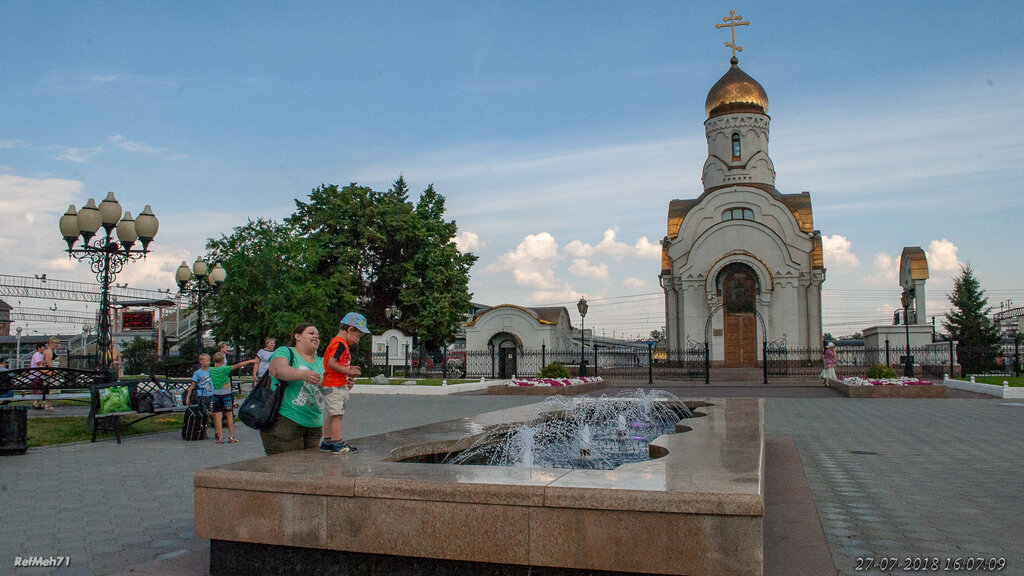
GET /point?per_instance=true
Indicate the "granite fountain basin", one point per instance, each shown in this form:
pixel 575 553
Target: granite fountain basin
pixel 696 508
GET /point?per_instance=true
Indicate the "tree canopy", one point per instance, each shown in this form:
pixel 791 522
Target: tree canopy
pixel 349 248
pixel 968 323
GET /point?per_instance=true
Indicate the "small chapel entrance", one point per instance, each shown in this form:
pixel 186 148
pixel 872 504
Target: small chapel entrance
pixel 739 288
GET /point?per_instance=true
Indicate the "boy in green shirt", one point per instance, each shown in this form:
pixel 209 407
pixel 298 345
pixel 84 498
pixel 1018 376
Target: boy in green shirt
pixel 220 375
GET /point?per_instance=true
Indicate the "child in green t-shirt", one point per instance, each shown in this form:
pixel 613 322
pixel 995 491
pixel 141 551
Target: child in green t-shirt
pixel 220 375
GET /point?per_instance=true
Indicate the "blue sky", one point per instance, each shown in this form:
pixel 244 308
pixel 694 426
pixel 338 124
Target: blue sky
pixel 558 132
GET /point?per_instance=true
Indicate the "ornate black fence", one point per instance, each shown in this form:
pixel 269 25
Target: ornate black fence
pixel 932 360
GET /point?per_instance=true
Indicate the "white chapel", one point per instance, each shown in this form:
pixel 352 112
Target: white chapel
pixel 742 262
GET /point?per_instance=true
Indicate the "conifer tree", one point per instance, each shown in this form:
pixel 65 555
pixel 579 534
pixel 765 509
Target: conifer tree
pixel 969 324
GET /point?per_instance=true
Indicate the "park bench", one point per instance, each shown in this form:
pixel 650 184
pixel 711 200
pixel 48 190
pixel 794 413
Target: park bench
pixel 121 421
pixel 20 384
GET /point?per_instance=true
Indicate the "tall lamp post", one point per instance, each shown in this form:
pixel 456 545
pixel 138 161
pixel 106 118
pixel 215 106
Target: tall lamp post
pixel 906 299
pixel 206 282
pixel 17 351
pixel 582 307
pixel 393 314
pixel 107 256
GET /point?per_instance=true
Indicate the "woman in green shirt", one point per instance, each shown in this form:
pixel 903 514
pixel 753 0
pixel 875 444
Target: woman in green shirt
pixel 299 369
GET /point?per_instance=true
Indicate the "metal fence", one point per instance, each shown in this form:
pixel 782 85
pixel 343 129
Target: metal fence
pixel 640 363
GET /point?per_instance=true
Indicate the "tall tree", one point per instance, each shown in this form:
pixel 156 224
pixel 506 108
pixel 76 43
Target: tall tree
pixel 273 284
pixel 968 323
pixel 383 250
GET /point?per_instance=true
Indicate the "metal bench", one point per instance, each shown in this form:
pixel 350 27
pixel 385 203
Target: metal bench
pixel 56 384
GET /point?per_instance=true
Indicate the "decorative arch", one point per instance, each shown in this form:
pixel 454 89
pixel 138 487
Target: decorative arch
pixel 765 279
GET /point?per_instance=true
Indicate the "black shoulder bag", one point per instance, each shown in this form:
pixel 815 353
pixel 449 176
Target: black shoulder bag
pixel 260 408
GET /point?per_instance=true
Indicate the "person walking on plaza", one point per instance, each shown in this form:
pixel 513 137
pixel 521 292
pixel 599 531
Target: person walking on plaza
pixel 339 375
pixel 201 384
pixel 830 363
pixel 222 401
pixel 299 370
pixel 37 376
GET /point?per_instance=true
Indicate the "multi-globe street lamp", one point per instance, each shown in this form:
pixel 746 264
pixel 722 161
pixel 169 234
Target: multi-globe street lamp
pixel 207 281
pixel 582 307
pixel 107 256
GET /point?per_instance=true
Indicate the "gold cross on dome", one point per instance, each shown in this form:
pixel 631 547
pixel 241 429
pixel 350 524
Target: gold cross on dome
pixel 731 22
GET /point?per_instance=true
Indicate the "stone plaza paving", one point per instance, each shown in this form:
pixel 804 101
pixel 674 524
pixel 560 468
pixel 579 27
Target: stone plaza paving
pixel 890 479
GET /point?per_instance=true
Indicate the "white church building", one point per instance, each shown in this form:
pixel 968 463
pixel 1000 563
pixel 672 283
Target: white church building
pixel 742 262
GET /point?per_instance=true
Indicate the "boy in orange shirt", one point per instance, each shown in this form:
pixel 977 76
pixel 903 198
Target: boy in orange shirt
pixel 339 375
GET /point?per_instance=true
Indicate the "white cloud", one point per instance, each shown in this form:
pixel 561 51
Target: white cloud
pixel 647 249
pixel 836 251
pixel 942 256
pixel 581 267
pixel 133 145
pixel 632 283
pixel 79 155
pixel 24 214
pixel 612 248
pixel 468 241
pixel 531 263
pixel 886 271
pixel 7 143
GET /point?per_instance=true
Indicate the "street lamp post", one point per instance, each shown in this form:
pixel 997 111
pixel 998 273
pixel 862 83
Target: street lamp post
pixel 206 281
pixel 582 307
pixel 107 256
pixel 17 350
pixel 906 299
pixel 393 314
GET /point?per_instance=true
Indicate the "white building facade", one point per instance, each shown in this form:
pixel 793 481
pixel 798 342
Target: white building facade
pixel 741 263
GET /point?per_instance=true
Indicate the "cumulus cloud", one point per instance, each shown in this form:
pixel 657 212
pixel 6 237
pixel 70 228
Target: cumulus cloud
pixel 468 241
pixel 942 256
pixel 836 251
pixel 22 215
pixel 636 284
pixel 886 271
pixel 581 267
pixel 611 248
pixel 532 262
pixel 647 249
pixel 79 155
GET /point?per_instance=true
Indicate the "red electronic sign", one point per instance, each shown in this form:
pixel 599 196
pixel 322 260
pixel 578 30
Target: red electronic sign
pixel 137 320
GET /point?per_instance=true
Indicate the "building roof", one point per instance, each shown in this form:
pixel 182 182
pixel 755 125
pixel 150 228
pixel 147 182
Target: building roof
pixel 736 92
pixel 918 261
pixel 549 315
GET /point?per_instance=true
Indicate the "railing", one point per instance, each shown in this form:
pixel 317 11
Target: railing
pixel 621 363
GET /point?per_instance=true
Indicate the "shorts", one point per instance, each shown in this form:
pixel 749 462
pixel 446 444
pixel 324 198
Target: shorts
pixel 221 403
pixel 335 399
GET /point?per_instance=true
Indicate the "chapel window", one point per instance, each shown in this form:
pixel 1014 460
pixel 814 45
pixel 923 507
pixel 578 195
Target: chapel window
pixel 738 214
pixel 735 145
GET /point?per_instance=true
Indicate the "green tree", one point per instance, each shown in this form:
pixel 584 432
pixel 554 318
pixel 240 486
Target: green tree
pixel 381 249
pixel 274 282
pixel 658 336
pixel 968 323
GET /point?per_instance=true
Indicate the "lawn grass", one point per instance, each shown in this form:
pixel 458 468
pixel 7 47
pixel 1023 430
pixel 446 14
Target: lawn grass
pixel 1017 381
pixel 63 429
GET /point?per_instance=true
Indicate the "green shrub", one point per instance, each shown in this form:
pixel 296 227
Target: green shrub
pixel 554 370
pixel 881 371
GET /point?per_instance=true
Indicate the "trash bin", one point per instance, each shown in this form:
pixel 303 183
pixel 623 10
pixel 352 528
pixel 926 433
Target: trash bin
pixel 13 430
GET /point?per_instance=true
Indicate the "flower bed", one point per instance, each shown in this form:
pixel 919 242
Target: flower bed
pixel 554 381
pixel 901 381
pixel 902 387
pixel 547 386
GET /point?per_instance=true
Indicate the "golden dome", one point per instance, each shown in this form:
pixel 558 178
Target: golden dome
pixel 736 92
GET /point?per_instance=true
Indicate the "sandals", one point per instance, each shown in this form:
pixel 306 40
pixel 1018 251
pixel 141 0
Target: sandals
pixel 233 440
pixel 220 440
